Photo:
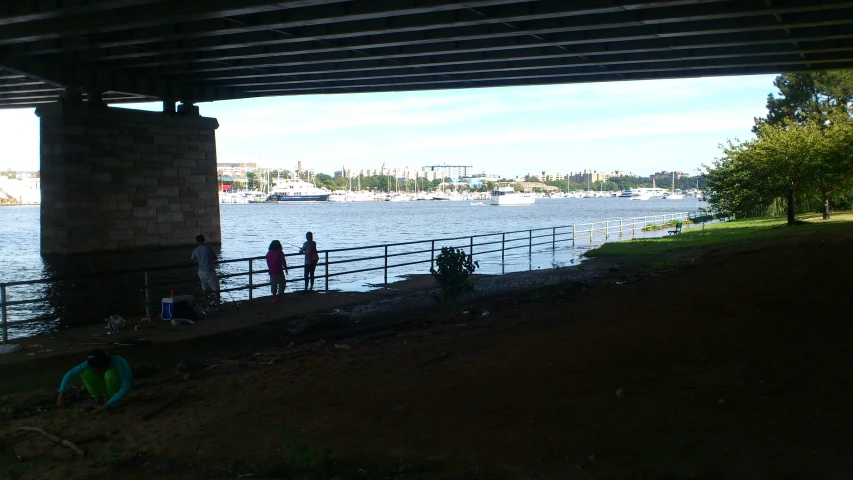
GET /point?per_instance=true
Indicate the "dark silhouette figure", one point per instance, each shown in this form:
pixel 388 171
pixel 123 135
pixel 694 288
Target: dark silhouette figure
pixel 309 248
pixel 277 265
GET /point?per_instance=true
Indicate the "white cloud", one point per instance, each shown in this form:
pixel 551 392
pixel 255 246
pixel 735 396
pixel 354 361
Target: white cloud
pixel 481 126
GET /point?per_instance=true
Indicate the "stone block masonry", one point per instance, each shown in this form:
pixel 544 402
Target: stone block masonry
pixel 111 181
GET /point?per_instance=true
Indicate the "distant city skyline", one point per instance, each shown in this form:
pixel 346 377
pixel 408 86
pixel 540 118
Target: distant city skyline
pixel 648 126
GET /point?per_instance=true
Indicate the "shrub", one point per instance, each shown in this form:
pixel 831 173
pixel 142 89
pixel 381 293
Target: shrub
pixel 452 273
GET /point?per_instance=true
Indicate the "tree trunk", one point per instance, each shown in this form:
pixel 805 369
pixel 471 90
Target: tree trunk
pixel 791 219
pixel 826 209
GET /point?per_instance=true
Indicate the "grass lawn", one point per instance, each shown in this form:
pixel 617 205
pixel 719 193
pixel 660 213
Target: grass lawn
pixel 727 233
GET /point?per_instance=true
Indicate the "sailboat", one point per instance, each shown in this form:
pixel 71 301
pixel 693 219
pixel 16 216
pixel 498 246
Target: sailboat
pixel 676 194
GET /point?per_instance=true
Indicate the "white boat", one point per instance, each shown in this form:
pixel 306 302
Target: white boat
pixel 234 197
pixel 400 197
pixel 295 189
pixel 338 196
pixel 477 204
pixel 360 196
pixel 646 193
pixel 508 196
pixel 674 196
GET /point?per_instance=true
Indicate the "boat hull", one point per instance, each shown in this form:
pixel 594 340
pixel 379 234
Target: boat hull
pixel 302 198
pixel 509 200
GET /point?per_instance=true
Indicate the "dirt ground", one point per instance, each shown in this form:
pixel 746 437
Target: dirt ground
pixel 733 365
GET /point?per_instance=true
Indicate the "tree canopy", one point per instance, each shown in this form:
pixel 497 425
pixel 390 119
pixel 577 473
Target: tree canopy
pixel 802 150
pixel 788 161
pixel 808 96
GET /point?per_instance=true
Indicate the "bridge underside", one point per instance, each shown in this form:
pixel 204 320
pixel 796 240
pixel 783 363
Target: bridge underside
pixel 205 50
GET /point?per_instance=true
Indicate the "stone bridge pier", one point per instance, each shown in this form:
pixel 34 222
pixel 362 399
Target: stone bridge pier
pixel 115 179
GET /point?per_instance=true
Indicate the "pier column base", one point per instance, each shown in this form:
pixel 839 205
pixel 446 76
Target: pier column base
pixel 116 179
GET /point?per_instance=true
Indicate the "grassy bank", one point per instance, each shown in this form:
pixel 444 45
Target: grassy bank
pixel 727 233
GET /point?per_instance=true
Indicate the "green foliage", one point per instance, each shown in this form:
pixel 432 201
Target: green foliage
pixel 652 228
pixel 808 97
pixel 787 161
pixel 453 273
pixel 718 234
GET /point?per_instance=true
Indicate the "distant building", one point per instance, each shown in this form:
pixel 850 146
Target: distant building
pixel 665 176
pixel 235 169
pixel 537 186
pixel 621 173
pixel 588 176
pixel 549 177
pixel 455 172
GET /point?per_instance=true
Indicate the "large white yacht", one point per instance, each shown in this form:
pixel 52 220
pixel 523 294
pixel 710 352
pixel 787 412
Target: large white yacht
pixel 294 189
pixel 508 196
pixel 646 193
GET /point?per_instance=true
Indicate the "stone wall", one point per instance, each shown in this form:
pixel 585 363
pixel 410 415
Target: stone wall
pixel 119 179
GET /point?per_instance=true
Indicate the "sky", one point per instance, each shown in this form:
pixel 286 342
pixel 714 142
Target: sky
pixel 642 126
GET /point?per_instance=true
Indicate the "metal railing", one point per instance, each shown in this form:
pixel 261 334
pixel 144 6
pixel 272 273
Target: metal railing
pixel 337 262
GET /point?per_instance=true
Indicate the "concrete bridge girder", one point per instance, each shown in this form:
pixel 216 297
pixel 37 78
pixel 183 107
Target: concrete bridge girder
pixel 116 179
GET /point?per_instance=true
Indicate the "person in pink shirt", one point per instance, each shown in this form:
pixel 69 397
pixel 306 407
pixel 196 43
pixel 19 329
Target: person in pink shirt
pixel 277 265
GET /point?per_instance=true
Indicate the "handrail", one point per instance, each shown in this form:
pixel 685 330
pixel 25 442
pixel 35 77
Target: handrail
pixel 507 241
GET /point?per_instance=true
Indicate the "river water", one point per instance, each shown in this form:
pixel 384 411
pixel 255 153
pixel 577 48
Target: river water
pixel 248 229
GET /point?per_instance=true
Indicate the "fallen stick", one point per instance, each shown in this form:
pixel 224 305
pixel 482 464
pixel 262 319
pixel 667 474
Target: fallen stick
pixel 161 408
pixel 53 438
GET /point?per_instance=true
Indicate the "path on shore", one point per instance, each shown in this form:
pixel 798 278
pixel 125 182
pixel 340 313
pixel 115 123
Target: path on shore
pixel 734 368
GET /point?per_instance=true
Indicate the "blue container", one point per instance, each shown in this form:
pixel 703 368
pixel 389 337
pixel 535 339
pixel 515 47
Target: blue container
pixel 168 312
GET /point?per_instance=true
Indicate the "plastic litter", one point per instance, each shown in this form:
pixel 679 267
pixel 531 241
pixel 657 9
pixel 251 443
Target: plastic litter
pixel 114 323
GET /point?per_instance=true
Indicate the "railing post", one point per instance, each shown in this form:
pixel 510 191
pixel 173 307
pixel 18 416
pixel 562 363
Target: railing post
pixel 386 265
pixel 530 243
pixel 471 248
pixel 573 235
pixel 503 247
pixel 327 269
pixel 251 278
pixel 606 230
pixel 554 239
pixel 147 298
pixel 432 255
pixel 5 319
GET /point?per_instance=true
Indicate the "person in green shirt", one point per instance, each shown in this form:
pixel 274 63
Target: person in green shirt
pixel 107 377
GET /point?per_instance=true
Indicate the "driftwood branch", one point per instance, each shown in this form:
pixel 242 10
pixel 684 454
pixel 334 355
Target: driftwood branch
pixel 54 439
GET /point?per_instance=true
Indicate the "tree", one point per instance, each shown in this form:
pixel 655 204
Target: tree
pixel 834 171
pixel 786 160
pixel 808 96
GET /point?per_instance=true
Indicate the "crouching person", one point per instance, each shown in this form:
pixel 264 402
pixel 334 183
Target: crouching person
pixel 107 377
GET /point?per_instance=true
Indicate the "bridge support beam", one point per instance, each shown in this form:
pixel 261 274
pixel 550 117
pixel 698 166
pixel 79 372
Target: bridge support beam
pixel 117 179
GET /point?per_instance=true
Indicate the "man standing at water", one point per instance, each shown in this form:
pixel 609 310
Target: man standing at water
pixel 206 257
